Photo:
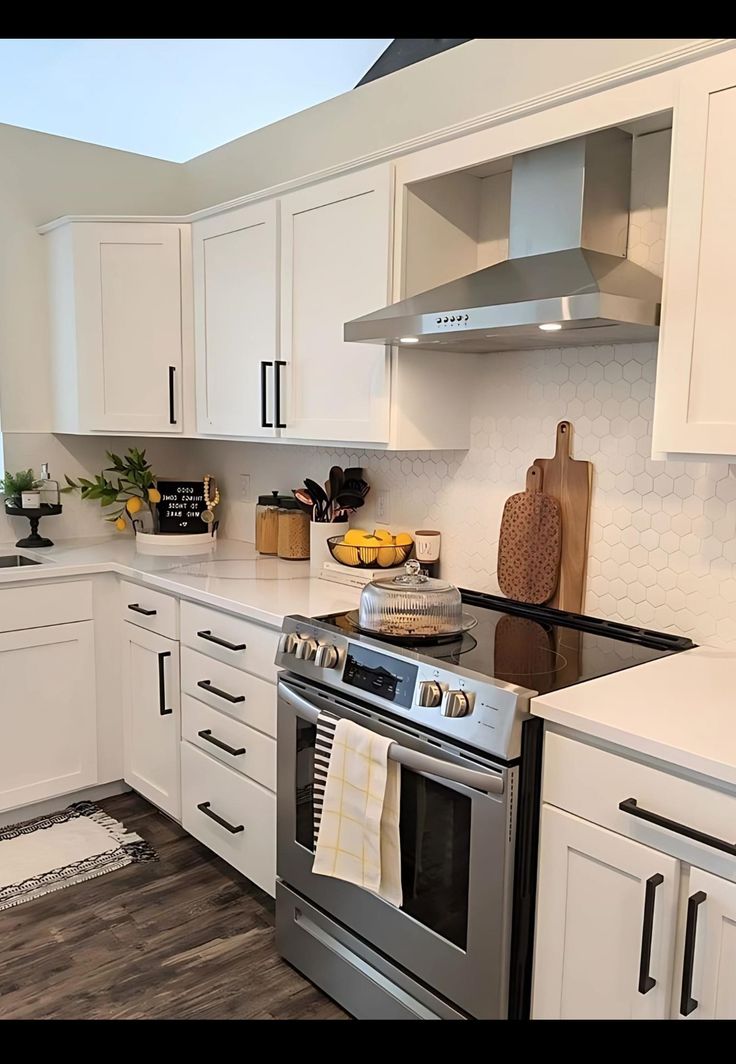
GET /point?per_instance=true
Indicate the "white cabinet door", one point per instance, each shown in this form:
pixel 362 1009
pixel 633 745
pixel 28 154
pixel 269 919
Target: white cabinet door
pixel 695 410
pixel 335 250
pixel 152 717
pixel 236 320
pixel 605 924
pixel 47 713
pixel 128 328
pixel 709 993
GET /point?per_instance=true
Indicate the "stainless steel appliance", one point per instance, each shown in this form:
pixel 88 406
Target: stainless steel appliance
pixel 566 281
pixel 458 714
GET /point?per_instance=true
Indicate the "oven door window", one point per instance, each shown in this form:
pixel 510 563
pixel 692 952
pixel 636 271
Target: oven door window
pixel 435 828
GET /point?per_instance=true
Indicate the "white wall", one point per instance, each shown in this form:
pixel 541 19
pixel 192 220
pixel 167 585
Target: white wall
pixel 474 79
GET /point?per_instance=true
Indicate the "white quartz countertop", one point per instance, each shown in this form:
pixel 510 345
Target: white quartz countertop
pixel 231 577
pixel 680 709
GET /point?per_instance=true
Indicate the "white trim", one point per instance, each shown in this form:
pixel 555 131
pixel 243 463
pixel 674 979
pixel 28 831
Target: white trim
pixel 658 64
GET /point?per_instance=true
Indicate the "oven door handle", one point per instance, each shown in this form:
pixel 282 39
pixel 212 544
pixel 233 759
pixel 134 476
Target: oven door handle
pixel 413 759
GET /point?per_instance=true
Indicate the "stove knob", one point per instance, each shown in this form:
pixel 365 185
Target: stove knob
pixel 287 643
pixel 458 704
pixel 306 649
pixel 327 656
pixel 430 693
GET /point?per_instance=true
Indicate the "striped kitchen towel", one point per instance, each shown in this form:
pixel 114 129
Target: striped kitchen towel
pixel 357 792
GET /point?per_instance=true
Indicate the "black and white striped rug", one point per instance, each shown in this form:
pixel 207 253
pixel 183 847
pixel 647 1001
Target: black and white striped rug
pixel 61 849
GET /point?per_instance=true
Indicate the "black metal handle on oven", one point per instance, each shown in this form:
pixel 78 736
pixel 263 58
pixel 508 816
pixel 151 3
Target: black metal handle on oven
pixel 688 1003
pixel 265 423
pixel 630 806
pixel 204 807
pixel 646 981
pixel 139 609
pixel 207 735
pixel 172 389
pixel 277 400
pixel 207 686
pixel 207 634
pixel 163 655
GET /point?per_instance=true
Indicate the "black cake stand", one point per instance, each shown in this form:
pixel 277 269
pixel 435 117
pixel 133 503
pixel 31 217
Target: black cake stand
pixel 34 516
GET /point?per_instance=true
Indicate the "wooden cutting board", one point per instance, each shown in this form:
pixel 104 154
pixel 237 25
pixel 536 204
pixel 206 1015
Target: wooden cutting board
pixel 569 481
pixel 529 543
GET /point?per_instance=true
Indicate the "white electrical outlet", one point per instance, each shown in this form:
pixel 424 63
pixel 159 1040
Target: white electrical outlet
pixel 245 487
pixel 383 506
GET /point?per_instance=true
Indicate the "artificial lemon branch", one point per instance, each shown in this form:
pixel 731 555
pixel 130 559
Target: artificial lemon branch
pixel 132 486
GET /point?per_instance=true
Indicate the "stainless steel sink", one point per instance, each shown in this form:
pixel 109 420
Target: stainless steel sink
pixel 15 561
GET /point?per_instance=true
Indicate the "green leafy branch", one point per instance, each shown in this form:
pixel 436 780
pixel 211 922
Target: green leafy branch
pixel 131 486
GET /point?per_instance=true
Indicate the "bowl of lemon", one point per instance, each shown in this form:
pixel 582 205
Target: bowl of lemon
pixel 370 550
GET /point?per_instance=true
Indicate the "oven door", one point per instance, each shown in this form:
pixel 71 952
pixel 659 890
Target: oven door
pixel 452 931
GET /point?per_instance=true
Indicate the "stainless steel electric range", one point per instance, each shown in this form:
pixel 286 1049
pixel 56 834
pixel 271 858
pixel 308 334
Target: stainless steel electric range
pixel 458 713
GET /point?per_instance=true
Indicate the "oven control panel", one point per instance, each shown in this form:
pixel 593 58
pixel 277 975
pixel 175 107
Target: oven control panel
pixel 474 709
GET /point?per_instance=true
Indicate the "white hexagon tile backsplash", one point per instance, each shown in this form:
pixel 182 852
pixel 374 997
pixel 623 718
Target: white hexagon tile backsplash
pixel 663 534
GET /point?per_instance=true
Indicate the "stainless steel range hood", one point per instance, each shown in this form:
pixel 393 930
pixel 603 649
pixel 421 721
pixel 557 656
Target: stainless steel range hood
pixel 567 280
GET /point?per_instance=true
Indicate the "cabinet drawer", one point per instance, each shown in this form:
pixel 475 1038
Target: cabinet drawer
pixel 251 646
pixel 232 815
pixel 592 783
pixel 230 690
pixel 41 605
pixel 150 609
pixel 255 753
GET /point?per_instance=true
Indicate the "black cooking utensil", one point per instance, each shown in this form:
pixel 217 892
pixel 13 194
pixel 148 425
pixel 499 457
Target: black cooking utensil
pixel 321 502
pixel 304 499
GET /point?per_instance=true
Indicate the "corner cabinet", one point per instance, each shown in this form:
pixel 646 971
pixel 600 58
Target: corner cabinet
pixel 116 326
pixel 695 411
pixel 335 265
pixel 236 279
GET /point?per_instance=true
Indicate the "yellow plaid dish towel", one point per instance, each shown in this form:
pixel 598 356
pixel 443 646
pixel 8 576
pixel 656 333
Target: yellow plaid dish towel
pixel 358 838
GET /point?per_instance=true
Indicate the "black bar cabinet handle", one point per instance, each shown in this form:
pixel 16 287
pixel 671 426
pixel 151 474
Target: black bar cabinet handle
pixel 172 389
pixel 646 981
pixel 277 401
pixel 265 423
pixel 139 609
pixel 630 806
pixel 163 655
pixel 207 735
pixel 220 642
pixel 688 1003
pixel 207 685
pixel 204 807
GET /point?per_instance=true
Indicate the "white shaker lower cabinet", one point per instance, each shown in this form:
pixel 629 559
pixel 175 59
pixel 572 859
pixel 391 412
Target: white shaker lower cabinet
pixel 711 911
pixel 48 714
pixel 152 724
pixel 605 924
pixel 696 371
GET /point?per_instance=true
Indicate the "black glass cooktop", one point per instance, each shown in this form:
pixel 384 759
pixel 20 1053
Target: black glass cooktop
pixel 540 648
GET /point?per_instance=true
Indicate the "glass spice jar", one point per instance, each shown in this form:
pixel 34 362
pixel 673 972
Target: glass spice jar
pixel 293 538
pixel 267 523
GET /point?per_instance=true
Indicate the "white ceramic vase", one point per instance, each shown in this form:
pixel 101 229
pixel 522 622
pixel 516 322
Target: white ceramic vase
pixel 319 551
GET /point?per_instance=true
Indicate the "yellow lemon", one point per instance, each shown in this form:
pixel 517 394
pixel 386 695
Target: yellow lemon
pixel 368 555
pixel 120 524
pixel 355 536
pixel 387 556
pixel 346 555
pixel 384 535
pixel 133 505
pixel 154 495
pixel 403 540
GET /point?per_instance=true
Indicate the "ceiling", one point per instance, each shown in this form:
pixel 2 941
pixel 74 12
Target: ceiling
pixel 172 98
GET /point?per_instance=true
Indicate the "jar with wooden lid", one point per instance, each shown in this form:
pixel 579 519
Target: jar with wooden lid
pixel 293 538
pixel 267 523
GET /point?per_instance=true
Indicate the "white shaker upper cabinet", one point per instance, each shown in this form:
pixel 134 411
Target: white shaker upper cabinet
pixel 236 321
pixel 335 255
pixel 116 319
pixel 695 408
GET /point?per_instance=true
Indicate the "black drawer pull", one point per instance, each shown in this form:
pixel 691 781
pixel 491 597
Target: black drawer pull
pixel 646 981
pixel 207 686
pixel 688 1003
pixel 139 609
pixel 629 805
pixel 204 807
pixel 163 655
pixel 210 738
pixel 221 642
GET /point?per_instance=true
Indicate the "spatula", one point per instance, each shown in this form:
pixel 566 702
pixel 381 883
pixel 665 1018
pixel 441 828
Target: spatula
pixel 530 543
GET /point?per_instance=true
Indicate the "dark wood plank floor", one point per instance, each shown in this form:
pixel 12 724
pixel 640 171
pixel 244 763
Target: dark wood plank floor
pixel 184 937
